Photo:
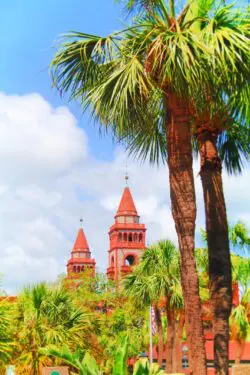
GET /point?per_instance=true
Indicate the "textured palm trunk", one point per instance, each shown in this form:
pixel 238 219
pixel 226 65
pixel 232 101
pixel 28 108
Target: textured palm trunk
pixel 182 194
pixel 220 284
pixel 170 341
pixel 160 334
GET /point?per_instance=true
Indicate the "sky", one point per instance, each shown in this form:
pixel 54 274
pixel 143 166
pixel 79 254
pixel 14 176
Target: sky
pixel 54 167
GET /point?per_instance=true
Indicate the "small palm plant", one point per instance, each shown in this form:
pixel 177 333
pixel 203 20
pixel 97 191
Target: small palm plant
pixel 86 364
pixel 239 324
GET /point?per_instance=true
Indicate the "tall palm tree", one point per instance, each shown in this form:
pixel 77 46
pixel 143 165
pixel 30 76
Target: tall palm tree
pixel 156 278
pixel 145 84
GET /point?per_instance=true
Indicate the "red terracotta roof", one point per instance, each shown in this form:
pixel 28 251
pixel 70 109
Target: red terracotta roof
pixel 126 206
pixel 81 242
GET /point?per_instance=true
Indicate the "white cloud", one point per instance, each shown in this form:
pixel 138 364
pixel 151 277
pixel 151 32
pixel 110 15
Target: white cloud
pixel 49 179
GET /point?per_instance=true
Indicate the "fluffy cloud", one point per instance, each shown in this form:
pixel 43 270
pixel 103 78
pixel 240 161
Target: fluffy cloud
pixel 48 179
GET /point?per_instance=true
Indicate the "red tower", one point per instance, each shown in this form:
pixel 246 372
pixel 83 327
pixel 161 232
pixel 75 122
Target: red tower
pixel 80 256
pixel 127 238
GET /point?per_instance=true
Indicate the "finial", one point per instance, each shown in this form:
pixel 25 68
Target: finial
pixel 126 175
pixel 81 221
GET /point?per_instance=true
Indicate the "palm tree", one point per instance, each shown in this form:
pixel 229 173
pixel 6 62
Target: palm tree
pixel 240 236
pixel 239 324
pixel 157 278
pixel 46 316
pixel 145 84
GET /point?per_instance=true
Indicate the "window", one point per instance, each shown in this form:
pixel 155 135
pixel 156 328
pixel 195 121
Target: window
pixel 112 261
pixel 121 219
pixel 135 237
pixel 129 219
pixel 140 237
pixel 130 260
pixel 120 237
pixel 130 238
pixel 74 269
pixel 125 237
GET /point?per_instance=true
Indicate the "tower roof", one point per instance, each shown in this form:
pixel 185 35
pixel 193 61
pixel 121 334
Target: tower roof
pixel 126 206
pixel 80 242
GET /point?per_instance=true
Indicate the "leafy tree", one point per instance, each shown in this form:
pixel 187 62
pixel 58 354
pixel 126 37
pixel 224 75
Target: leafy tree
pixel 116 317
pixel 145 84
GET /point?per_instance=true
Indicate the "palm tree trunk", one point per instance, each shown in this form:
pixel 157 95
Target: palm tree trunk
pixel 160 334
pixel 174 353
pixel 239 352
pixel 218 244
pixel 182 192
pixel 178 343
pixel 170 341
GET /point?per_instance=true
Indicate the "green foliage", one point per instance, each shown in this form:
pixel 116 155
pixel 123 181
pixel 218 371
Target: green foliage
pixel 240 236
pixel 46 316
pixel 157 275
pixel 142 367
pixel 6 332
pixel 239 324
pixel 88 366
pixel 120 365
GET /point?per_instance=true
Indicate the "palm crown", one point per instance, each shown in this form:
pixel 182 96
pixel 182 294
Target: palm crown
pixel 201 54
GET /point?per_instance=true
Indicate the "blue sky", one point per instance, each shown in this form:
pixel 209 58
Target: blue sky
pixel 30 30
pixel 54 168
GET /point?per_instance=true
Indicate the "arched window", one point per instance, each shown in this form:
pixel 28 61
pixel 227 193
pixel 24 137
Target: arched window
pixel 78 269
pixel 112 261
pixel 82 269
pixel 74 268
pixel 130 260
pixel 135 237
pixel 125 237
pixel 120 237
pixel 140 237
pixel 130 237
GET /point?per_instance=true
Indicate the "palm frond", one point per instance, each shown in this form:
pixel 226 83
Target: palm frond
pixel 80 60
pixel 234 148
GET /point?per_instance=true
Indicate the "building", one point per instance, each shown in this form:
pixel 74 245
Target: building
pixel 126 238
pixel 80 256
